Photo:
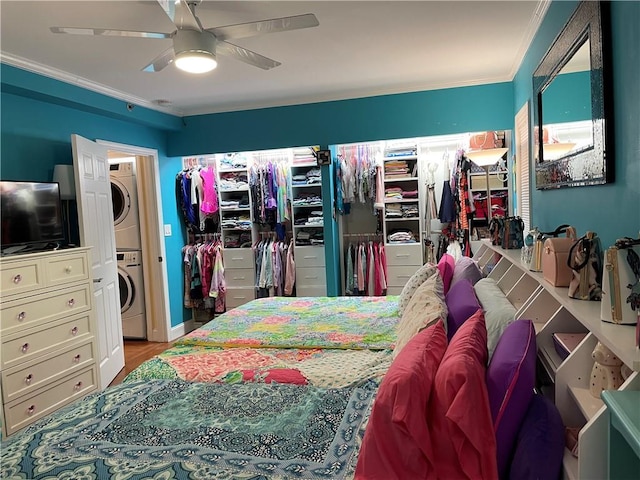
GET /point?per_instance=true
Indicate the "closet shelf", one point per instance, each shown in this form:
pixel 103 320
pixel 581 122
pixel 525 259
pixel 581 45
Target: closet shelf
pixel 227 190
pixel 306 185
pixel 400 157
pixel 403 200
pixel 400 179
pixel 235 209
pixel 310 225
pixel 319 204
pixel 233 170
pixel 402 219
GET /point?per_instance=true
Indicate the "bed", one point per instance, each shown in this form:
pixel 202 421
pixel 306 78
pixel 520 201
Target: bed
pixel 309 389
pixel 276 388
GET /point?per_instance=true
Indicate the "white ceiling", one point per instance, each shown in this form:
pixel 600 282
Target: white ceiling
pixel 360 48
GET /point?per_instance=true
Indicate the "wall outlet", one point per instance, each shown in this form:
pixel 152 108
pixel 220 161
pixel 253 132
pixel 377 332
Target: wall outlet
pixel 167 230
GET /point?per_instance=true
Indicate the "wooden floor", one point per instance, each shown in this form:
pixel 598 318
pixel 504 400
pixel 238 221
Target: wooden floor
pixel 136 352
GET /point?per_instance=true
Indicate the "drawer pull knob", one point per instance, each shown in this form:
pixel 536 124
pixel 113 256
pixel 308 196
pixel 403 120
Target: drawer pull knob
pixel 74 331
pixel 404 276
pixel 21 316
pixel 71 302
pixel 402 255
pixel 31 410
pixel 17 279
pixel 25 348
pixel 97 280
pixel 76 359
pixel 77 386
pixel 28 379
pixel 67 269
pixel 237 258
pixel 309 256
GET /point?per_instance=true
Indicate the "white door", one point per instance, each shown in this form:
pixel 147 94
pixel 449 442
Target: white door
pixel 95 217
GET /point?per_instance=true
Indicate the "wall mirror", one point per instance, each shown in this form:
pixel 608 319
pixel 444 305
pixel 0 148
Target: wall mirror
pixel 572 141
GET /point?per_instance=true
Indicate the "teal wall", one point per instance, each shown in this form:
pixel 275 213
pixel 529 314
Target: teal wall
pixel 40 114
pixel 570 93
pixel 611 210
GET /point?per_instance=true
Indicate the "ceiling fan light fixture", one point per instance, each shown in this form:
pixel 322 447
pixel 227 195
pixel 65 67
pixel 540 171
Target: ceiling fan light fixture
pixel 196 61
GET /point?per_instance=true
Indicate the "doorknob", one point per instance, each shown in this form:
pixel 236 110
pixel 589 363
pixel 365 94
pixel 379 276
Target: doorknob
pixel 97 280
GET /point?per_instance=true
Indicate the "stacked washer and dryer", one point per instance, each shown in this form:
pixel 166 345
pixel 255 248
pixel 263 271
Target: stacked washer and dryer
pixel 128 249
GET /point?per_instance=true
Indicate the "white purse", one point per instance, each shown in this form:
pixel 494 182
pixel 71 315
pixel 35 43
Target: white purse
pixel 621 283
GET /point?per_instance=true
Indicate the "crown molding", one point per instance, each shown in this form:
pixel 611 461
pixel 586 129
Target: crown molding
pixel 54 73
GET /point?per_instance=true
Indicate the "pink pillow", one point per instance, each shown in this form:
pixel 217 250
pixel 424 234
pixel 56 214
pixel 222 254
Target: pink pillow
pixel 446 266
pixel 460 421
pixel 397 444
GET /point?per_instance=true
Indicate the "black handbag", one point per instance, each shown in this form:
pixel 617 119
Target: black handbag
pixel 513 233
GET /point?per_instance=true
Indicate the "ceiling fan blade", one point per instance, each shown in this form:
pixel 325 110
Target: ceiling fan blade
pixel 161 61
pixel 283 24
pixel 109 32
pixel 246 56
pixel 181 14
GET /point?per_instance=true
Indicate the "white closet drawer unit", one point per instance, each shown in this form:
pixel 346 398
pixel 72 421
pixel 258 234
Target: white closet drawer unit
pixel 239 296
pixel 309 257
pixel 37 373
pixel 306 276
pixel 65 268
pixel 239 277
pixel 28 409
pixel 311 291
pixel 21 277
pixel 398 276
pixel 405 254
pixel 36 342
pixel 238 258
pixel 20 314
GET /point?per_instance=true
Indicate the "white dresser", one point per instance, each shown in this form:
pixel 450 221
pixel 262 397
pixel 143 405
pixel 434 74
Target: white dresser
pixel 239 275
pixel 49 349
pixel 403 260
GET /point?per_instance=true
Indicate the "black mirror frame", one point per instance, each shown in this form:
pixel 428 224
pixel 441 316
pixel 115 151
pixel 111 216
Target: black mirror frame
pixel 589 21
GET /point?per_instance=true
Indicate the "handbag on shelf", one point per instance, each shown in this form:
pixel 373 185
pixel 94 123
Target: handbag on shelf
pixel 496 229
pixel 526 253
pixel 483 141
pixel 554 258
pixel 621 283
pixel 513 233
pixel 538 246
pixel 585 261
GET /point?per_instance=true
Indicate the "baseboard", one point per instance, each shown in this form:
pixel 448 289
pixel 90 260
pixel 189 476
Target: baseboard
pixel 181 330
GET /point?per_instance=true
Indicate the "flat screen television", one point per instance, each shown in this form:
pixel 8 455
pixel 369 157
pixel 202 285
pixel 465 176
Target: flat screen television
pixel 31 216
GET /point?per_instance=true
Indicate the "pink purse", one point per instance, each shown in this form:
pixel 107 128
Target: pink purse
pixel 555 254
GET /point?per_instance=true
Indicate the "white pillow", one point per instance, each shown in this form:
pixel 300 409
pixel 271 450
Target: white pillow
pixel 498 310
pixel 426 307
pixel 417 279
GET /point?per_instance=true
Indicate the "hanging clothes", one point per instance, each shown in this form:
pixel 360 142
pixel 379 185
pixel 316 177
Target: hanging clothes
pixel 273 264
pixel 270 192
pixel 365 268
pixel 357 175
pixel 204 283
pixel 197 196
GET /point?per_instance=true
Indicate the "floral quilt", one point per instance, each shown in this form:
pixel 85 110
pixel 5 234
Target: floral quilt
pixel 170 429
pixel 304 322
pixel 309 366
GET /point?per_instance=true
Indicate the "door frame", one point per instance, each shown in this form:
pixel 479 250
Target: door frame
pixel 154 270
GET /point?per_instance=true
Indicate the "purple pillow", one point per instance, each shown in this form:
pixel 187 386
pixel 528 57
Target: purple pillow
pixel 466 268
pixel 446 266
pixel 510 382
pixel 461 304
pixel 540 444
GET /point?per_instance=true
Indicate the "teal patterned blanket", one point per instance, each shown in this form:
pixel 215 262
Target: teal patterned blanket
pixel 170 429
pixel 303 322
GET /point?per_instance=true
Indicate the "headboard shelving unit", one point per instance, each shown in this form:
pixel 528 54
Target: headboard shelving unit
pixel 566 381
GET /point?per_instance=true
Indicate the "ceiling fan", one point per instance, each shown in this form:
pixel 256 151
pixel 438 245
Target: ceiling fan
pixel 195 48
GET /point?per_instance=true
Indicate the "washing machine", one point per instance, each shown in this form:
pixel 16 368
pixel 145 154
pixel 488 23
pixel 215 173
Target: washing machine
pixel 124 197
pixel 134 321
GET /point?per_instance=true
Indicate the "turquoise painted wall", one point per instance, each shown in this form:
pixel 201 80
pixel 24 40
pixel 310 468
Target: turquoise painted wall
pixel 569 94
pixel 435 112
pixel 611 210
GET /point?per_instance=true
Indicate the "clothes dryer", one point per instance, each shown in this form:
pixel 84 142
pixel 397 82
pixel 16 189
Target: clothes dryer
pixel 132 307
pixel 124 197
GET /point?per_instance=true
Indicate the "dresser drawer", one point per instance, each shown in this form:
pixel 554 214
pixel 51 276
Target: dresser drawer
pixel 66 268
pixel 238 258
pixel 39 342
pixel 239 277
pixel 398 276
pixel 25 411
pixel 408 254
pixel 46 369
pixel 309 256
pixel 394 290
pixel 21 277
pixel 311 291
pixel 20 314
pixel 239 296
pixel 310 276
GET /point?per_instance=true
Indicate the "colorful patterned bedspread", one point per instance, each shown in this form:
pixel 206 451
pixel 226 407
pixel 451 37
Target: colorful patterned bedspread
pixel 170 429
pixel 304 322
pixel 311 366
